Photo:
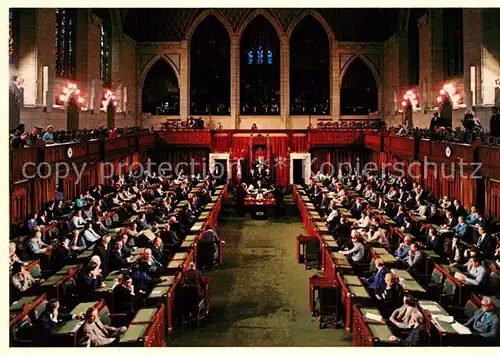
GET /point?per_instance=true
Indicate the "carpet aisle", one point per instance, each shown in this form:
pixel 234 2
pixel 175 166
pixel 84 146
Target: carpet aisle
pixel 259 295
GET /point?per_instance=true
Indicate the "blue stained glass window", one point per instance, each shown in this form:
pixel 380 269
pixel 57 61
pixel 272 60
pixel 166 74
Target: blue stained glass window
pixel 269 57
pixel 260 55
pixel 250 57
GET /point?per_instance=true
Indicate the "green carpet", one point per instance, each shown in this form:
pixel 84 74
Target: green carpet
pixel 259 295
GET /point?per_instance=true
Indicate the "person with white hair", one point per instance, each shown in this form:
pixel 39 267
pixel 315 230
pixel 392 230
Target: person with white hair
pixel 485 320
pixel 418 335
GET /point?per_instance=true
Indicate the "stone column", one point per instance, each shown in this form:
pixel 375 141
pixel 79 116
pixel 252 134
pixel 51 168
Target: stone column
pixel 335 81
pixel 235 80
pixel 184 81
pixel 28 59
pixel 424 53
pixel 284 80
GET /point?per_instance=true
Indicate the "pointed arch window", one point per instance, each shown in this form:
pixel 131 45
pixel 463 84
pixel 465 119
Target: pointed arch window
pixel 65 42
pixel 105 53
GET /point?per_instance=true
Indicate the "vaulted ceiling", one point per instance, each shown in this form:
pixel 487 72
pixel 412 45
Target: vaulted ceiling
pixel 167 24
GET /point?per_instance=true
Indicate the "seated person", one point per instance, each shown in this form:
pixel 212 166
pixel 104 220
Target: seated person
pixel 125 298
pixel 399 218
pixel 434 241
pixel 50 317
pixel 434 216
pixel 12 255
pixel 376 234
pixel 401 316
pixel 477 275
pixel 89 234
pixel 445 203
pixel 472 218
pixel 87 281
pixel 117 258
pixel 418 335
pixel 403 249
pixel 169 237
pixel 461 229
pixel 77 242
pixel 142 223
pixel 21 278
pixel 357 253
pixel 356 209
pixel 102 249
pixel 77 221
pixel 450 221
pixel 390 293
pixel 485 320
pixel 485 244
pixel 141 278
pixel 95 333
pixel 415 258
pixel 149 264
pixel 363 222
pixel 61 254
pixel 377 281
pixel 455 251
pixel 157 250
pixel 36 247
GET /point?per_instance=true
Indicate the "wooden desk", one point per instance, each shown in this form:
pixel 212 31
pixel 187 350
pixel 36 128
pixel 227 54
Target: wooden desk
pixel 316 283
pixel 147 329
pixel 367 331
pixel 352 292
pixel 463 291
pixel 407 283
pixel 21 308
pixel 380 252
pixel 300 247
pixel 164 293
pixel 442 333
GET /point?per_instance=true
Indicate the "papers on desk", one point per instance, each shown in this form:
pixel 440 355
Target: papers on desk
pixel 461 329
pixel 458 275
pixel 444 318
pixel 431 307
pixel 374 317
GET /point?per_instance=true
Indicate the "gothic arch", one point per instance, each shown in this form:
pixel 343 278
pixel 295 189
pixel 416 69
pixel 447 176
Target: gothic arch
pixel 252 15
pixel 367 62
pixel 318 17
pixel 148 66
pixel 199 19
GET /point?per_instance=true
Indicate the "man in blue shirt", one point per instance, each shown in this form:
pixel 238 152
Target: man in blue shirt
pixel 485 320
pixel 462 229
pixel 403 249
pixel 377 281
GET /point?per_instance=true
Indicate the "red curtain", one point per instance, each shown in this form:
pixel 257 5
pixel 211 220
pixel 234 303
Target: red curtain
pixel 493 199
pixel 299 143
pixel 188 159
pixel 240 146
pixel 221 142
pixel 43 191
pixel 20 207
pixel 357 158
pixel 279 164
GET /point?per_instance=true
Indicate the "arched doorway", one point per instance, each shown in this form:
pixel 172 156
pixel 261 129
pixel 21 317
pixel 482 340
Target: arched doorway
pixel 309 69
pixel 160 92
pixel 260 69
pixel 359 91
pixel 210 69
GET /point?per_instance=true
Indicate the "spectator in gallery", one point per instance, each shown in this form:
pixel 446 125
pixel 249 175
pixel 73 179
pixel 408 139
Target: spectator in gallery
pixel 48 136
pixel 219 127
pixel 435 122
pixel 254 126
pixel 495 122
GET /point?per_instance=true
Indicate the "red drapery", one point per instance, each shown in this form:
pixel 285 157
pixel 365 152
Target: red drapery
pixel 188 159
pixel 240 146
pixel 20 204
pixel 221 142
pixel 43 191
pixel 493 199
pixel 337 156
pixel 299 143
pixel 279 164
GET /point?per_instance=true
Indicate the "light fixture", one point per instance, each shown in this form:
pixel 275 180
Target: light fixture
pixel 70 92
pixel 410 99
pixel 451 92
pixel 108 99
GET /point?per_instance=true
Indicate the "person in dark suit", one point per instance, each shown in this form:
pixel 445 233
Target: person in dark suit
pixel 88 281
pixel 169 237
pixel 495 122
pixel 400 216
pixel 117 260
pixel 356 209
pixel 61 255
pixel 192 277
pixel 418 335
pixel 485 244
pixel 485 320
pixel 211 236
pixel 102 250
pixel 125 297
pixel 435 123
pixel 48 320
pixel 390 294
pixel 434 242
pixel 157 250
pixel 459 209
pixel 377 281
pixel 434 216
pixel 455 251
